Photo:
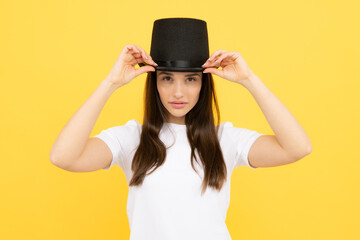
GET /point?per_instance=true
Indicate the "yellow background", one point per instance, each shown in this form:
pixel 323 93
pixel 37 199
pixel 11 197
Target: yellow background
pixel 55 53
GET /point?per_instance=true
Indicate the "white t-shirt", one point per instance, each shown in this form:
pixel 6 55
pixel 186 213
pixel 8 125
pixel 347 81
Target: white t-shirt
pixel 168 205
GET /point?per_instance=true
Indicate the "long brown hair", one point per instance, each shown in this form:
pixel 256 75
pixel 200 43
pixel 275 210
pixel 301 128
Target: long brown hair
pixel 200 129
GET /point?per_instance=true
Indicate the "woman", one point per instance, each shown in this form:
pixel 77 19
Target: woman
pixel 178 163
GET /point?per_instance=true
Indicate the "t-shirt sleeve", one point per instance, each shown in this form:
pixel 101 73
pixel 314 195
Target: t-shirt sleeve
pixel 119 139
pixel 242 139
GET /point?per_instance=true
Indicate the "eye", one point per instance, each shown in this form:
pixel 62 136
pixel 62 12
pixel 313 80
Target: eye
pixel 165 78
pixel 191 79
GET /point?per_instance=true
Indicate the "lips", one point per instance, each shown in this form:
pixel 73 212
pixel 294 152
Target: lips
pixel 178 104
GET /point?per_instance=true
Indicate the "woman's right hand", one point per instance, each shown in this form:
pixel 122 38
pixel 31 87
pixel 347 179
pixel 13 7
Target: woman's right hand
pixel 124 70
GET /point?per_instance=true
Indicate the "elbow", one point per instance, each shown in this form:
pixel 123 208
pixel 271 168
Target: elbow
pixel 53 158
pixel 58 163
pixel 309 149
pixel 56 160
pixel 301 154
pixel 61 161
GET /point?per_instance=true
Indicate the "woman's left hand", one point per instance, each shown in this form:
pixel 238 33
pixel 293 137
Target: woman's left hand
pixel 234 67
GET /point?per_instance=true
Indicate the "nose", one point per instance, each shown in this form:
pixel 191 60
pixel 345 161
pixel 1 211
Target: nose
pixel 178 89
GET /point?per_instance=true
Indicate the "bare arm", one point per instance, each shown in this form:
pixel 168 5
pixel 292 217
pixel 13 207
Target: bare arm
pixel 71 141
pixel 289 134
pixel 72 149
pixel 290 142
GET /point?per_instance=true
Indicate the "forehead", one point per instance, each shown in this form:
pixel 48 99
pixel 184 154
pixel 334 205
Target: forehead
pixel 170 73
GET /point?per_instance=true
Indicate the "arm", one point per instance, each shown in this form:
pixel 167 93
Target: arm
pixel 289 134
pixel 71 141
pixel 290 142
pixel 73 149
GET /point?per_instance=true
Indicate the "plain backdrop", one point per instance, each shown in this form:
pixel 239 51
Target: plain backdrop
pixel 54 54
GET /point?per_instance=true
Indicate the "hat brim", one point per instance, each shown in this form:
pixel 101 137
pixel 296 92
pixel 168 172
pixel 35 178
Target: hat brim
pixel 177 69
pixel 174 69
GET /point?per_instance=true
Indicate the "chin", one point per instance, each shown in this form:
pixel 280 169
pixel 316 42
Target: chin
pixel 178 113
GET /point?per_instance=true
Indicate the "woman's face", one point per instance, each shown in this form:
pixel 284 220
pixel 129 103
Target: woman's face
pixel 178 87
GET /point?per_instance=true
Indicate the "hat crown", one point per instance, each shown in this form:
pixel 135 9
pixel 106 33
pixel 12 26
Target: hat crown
pixel 179 44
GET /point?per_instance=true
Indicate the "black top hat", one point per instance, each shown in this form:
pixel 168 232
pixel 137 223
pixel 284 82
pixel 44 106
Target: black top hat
pixel 179 44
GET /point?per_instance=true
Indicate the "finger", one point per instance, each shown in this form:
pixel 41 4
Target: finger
pixel 217 54
pixel 136 53
pixel 137 56
pixel 214 56
pixel 128 47
pixel 139 60
pixel 142 53
pixel 149 58
pixel 225 57
pixel 131 48
pixel 144 69
pixel 145 57
pixel 215 71
pixel 152 61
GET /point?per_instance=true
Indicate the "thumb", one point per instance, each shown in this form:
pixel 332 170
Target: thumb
pixel 215 71
pixel 144 69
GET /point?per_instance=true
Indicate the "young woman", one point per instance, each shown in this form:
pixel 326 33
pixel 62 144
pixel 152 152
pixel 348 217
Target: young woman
pixel 178 163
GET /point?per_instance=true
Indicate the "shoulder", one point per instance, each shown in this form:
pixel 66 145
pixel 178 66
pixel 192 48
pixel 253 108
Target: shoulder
pixel 131 128
pixel 224 129
pixel 222 126
pixel 132 124
pixel 228 131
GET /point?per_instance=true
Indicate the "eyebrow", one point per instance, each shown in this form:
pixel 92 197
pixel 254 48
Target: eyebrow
pixel 187 75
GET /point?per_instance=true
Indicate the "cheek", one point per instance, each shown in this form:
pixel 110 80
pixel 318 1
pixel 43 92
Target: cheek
pixel 196 92
pixel 162 92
